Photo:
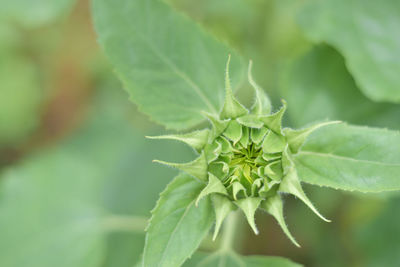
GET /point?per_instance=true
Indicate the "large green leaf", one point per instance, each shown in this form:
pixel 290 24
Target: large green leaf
pixel 365 32
pixel 171 68
pixel 351 158
pixel 231 259
pixel 177 226
pixel 378 239
pixel 49 210
pixel 32 14
pixel 61 203
pixel 318 87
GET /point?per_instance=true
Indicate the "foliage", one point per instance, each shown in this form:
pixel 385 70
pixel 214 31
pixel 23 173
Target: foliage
pixel 85 195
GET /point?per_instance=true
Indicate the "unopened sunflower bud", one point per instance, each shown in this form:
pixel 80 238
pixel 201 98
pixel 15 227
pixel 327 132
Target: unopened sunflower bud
pixel 246 158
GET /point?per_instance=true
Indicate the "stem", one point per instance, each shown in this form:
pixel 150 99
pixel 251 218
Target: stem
pixel 122 223
pixel 228 236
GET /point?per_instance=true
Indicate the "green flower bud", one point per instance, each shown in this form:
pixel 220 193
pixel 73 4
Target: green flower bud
pixel 246 159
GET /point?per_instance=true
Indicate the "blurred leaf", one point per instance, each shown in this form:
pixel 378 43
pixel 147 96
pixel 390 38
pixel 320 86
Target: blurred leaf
pixel 33 13
pixel 177 226
pixel 351 158
pixel 318 87
pixel 49 210
pixel 365 33
pixel 20 99
pixel 264 31
pixel 57 204
pixel 170 67
pixel 378 240
pixel 231 259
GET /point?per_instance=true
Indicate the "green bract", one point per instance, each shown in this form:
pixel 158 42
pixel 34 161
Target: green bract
pixel 246 158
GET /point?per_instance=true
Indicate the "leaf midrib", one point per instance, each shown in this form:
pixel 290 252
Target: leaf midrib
pixel 176 70
pixel 346 158
pixel 188 207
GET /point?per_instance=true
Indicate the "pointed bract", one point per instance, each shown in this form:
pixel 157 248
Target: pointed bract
pixel 250 121
pixel 262 103
pixel 222 207
pixel 196 140
pixel 232 108
pixel 236 188
pixel 291 184
pixel 214 186
pixel 296 138
pixel 274 206
pixel 249 206
pixel 233 131
pixel 257 135
pixel 273 143
pixel 196 168
pixel 218 126
pixel 274 121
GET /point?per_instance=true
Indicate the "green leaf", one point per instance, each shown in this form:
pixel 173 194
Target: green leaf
pixel 232 259
pixel 364 32
pixel 318 87
pixel 177 225
pixel 351 158
pixel 196 139
pixel 171 68
pixel 59 203
pixel 39 13
pixel 57 209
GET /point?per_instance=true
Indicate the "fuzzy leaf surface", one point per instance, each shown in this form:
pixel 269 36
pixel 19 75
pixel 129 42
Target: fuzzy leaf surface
pixel 364 32
pixel 171 68
pixel 231 259
pixel 350 157
pixel 319 87
pixel 177 226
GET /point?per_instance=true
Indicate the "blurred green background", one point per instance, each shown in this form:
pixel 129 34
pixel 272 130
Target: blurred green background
pixel 76 179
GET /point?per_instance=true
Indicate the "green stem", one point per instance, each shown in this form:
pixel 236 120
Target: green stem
pixel 123 223
pixel 228 236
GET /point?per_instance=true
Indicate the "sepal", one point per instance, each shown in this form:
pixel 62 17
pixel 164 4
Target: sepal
pixel 222 207
pixel 251 121
pixel 196 168
pixel 274 121
pixel 218 126
pixel 249 206
pixel 274 206
pixel 196 140
pixel 232 108
pixel 214 186
pixel 273 143
pixel 296 138
pixel 234 131
pixel 262 103
pixel 291 184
